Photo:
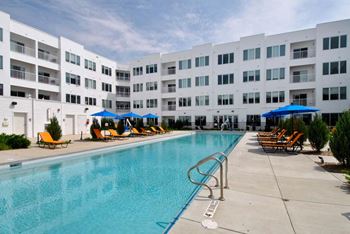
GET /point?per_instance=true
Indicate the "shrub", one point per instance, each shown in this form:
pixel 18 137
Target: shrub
pixel 18 141
pixel 139 124
pixel 109 122
pixel 340 139
pixel 298 125
pixel 164 125
pixel 94 125
pixel 347 175
pixel 120 127
pixel 179 124
pixel 318 133
pixel 54 129
pixel 3 146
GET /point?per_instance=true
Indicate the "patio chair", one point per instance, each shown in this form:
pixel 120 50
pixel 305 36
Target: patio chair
pixel 162 129
pixel 272 138
pixel 100 136
pixel 272 133
pixel 155 130
pixel 148 132
pixel 46 139
pixel 291 144
pixel 115 134
pixel 137 133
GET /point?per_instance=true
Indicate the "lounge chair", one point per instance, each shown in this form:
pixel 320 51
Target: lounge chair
pixel 100 136
pixel 148 132
pixel 115 134
pixel 137 133
pixel 46 139
pixel 272 133
pixel 288 139
pixel 291 144
pixel 162 129
pixel 155 130
pixel 274 139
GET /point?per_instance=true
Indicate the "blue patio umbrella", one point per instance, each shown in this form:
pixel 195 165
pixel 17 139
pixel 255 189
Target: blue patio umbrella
pixel 105 113
pixel 150 116
pixel 131 115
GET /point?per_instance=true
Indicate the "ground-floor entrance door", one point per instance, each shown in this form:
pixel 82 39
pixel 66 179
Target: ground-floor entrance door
pixel 20 123
pixel 69 125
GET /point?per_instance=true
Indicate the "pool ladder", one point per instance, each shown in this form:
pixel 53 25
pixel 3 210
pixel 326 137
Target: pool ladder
pixel 214 157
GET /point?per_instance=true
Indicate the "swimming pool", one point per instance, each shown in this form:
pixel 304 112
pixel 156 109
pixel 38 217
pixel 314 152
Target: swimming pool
pixel 136 190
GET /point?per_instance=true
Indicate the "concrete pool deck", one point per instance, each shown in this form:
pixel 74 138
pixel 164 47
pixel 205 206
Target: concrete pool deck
pixel 273 193
pixel 35 152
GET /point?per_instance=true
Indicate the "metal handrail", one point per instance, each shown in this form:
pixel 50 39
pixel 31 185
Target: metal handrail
pixel 203 161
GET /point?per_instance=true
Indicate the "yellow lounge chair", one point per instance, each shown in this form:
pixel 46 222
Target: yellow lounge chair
pixel 162 129
pixel 155 130
pixel 100 136
pixel 137 133
pixel 46 139
pixel 292 144
pixel 114 133
pixel 148 132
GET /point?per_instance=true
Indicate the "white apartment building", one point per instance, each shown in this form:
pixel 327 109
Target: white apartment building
pixel 239 81
pixel 42 76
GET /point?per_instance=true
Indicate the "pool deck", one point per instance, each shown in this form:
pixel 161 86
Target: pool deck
pixel 273 193
pixel 35 152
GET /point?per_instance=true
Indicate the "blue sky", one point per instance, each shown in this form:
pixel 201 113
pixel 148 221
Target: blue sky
pixel 126 30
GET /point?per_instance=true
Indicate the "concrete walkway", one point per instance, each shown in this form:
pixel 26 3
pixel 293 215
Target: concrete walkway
pixel 273 193
pixel 35 152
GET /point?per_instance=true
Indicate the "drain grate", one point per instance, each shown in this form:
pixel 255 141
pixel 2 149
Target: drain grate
pixel 210 211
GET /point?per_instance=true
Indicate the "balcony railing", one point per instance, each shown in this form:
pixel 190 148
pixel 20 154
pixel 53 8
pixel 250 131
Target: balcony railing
pixel 22 75
pixel 171 89
pixel 22 49
pixel 48 57
pixel 49 80
pixel 303 101
pixel 303 54
pixel 303 78
pixel 123 94
pixel 171 71
pixel 123 78
pixel 123 108
pixel 169 107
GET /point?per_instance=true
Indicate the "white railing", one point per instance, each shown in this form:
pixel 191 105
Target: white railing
pixel 171 71
pixel 303 78
pixel 22 75
pixel 123 94
pixel 49 80
pixel 123 108
pixel 309 53
pixel 169 107
pixel 48 57
pixel 303 101
pixel 169 89
pixel 22 49
pixel 124 78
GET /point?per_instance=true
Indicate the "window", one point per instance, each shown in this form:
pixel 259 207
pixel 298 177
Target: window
pixel 331 119
pixel 250 76
pixel 70 98
pixel 275 74
pixel 337 67
pixel 122 91
pixel 202 80
pixel 334 42
pixel 251 98
pixel 43 96
pixel 202 100
pixel 300 53
pixel 137 87
pixel 253 120
pixel 184 101
pixel 334 93
pixel 73 58
pixel 72 79
pixel 1 34
pixel 15 93
pixel 123 75
pixel 276 51
pixel 137 71
pixel 1 62
pixel 186 120
pixel 138 104
pixel 106 70
pixel 202 61
pixel 152 103
pixel 200 120
pixel 1 89
pixel 225 79
pixel 151 68
pixel 225 58
pixel 151 86
pixel 301 76
pixel 90 84
pixel 251 54
pixel 224 100
pixel 90 101
pixel 90 65
pixel 275 97
pixel 107 103
pixel 185 64
pixel 106 87
pixel 185 83
pixel 122 105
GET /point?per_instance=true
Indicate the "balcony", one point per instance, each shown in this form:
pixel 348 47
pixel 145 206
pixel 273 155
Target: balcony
pixel 301 78
pixel 303 53
pixel 169 107
pixel 21 48
pixel 47 56
pixel 303 101
pixel 171 71
pixel 22 75
pixel 49 80
pixel 171 89
pixel 123 94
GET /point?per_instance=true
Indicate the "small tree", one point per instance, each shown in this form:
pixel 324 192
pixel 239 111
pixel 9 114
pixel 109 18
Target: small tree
pixel 107 123
pixel 120 127
pixel 139 124
pixel 318 133
pixel 94 125
pixel 298 125
pixel 164 125
pixel 54 129
pixel 340 139
pixel 179 124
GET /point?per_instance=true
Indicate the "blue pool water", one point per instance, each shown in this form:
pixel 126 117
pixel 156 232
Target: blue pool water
pixel 138 190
